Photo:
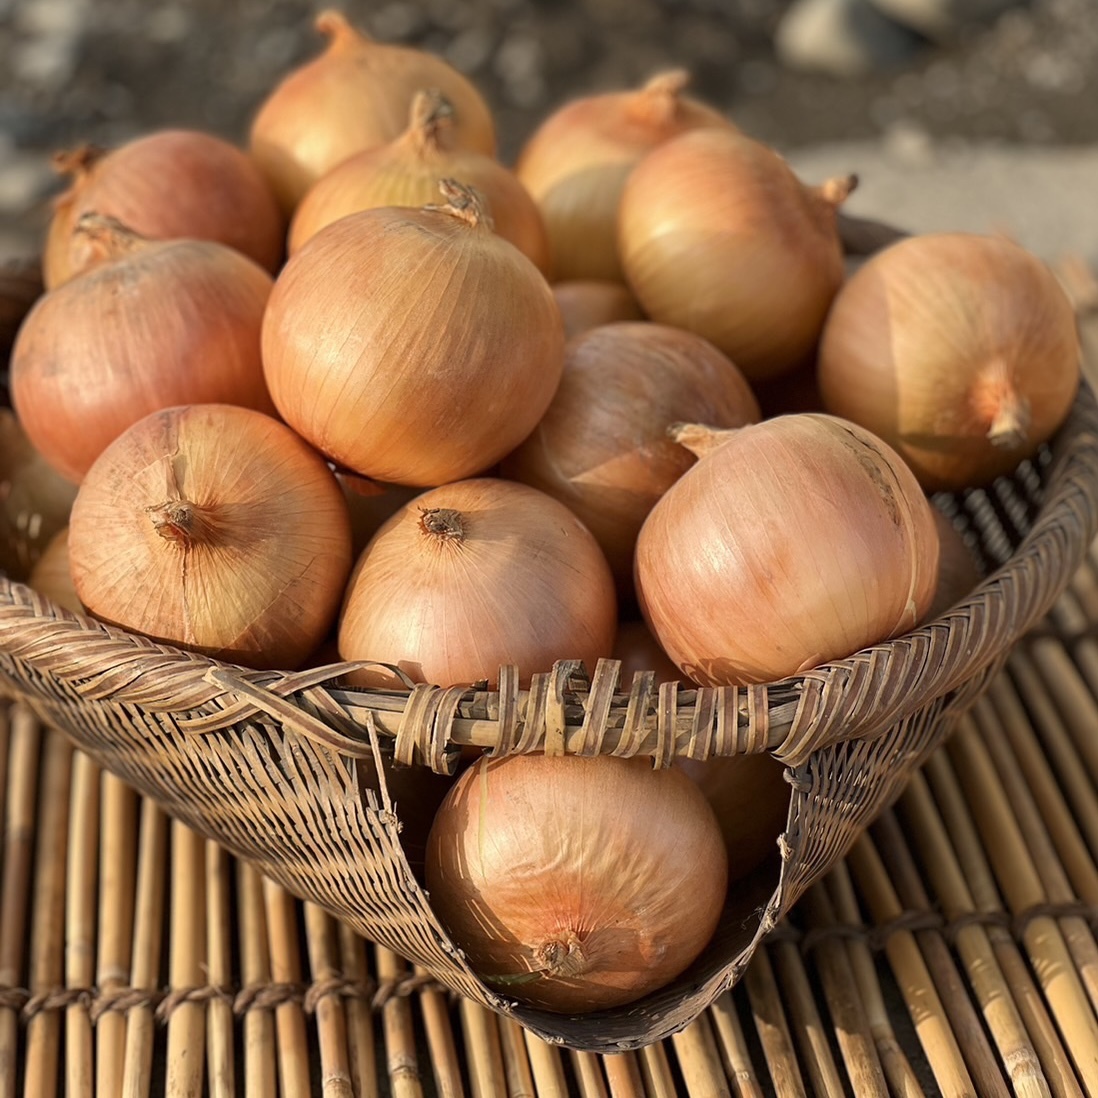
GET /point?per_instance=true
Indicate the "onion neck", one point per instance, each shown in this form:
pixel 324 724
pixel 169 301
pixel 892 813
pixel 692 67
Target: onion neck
pixel 342 36
pixel 431 123
pixel 657 103
pixel 699 439
pixel 562 957
pixel 182 523
pixel 442 524
pixel 108 237
pixel 464 203
pixel 77 163
pixel 1006 411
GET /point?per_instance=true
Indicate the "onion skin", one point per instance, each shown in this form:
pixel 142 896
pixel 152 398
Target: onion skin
pixel 576 163
pixel 719 237
pixel 792 542
pixel 474 575
pixel 51 575
pixel 353 96
pixel 961 351
pixel 414 347
pixel 590 303
pixel 159 324
pixel 603 880
pixel 602 447
pixel 216 529
pixel 165 185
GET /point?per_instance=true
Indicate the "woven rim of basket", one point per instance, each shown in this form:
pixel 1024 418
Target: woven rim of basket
pixel 563 710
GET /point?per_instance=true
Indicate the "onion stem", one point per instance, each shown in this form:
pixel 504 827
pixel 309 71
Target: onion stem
pixel 179 521
pixel 562 956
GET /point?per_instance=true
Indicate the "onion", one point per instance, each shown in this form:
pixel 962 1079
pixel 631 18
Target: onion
pixel 352 97
pixel 958 572
pixel 602 447
pixel 164 185
pixel 792 542
pixel 576 162
pixel 718 236
pixel 51 575
pixel 413 346
pixel 370 503
pixel 589 303
pixel 473 575
pixel 406 172
pixel 213 528
pixel 959 350
pixel 638 650
pixel 157 324
pixel 602 881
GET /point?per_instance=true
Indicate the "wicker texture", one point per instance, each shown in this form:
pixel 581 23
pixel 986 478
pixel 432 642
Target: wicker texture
pixel 265 762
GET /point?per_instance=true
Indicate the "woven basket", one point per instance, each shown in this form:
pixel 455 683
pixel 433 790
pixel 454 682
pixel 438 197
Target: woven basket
pixel 268 763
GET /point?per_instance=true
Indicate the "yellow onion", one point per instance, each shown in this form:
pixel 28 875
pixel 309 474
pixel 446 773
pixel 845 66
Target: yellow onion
pixel 474 575
pixel 602 881
pixel 958 571
pixel 576 162
pixel 718 236
pixel 960 350
pixel 406 172
pixel 602 447
pixel 638 650
pixel 414 347
pixel 51 575
pixel 791 542
pixel 354 96
pixel 213 528
pixel 589 303
pixel 156 323
pixel 164 185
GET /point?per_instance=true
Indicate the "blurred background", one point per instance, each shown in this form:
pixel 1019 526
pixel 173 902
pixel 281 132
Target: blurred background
pixel 975 114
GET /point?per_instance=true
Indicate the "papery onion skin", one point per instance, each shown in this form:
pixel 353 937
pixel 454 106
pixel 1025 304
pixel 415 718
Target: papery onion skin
pixel 719 237
pixel 165 185
pixel 590 303
pixel 602 881
pixel 160 324
pixel 51 575
pixel 356 94
pixel 959 350
pixel 213 528
pixel 412 346
pixel 406 172
pixel 576 162
pixel 602 446
pixel 795 541
pixel 474 575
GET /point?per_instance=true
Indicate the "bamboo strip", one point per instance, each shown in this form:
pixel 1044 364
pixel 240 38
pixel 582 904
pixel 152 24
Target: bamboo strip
pixel 804 1017
pixel 733 1047
pixel 772 1028
pixel 145 966
pixel 291 1042
pixel 848 1015
pixel 117 882
pixel 361 1034
pixel 547 1065
pixel 516 1062
pixel 47 937
pixel 623 1075
pixel 971 857
pixel 700 1061
pixel 902 1080
pixel 972 941
pixel 260 1060
pixel 1008 854
pixel 1076 690
pixel 186 1042
pixel 399 1031
pixel 21 803
pixel 435 1010
pixel 219 965
pixel 331 1019
pixel 916 985
pixel 81 871
pixel 656 1071
pixel 589 1077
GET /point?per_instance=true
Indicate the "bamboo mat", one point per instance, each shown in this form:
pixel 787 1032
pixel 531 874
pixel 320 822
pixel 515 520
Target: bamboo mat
pixel 953 952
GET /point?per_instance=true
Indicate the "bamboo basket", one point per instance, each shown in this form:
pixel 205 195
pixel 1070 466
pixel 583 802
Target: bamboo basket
pixel 268 763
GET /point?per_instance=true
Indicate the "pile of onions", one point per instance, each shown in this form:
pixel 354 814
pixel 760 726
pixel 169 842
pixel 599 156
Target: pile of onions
pixel 84 368
pixel 602 881
pixel 959 350
pixel 602 447
pixel 354 96
pixel 718 236
pixel 576 163
pixel 213 528
pixel 735 576
pixel 413 346
pixel 164 185
pixel 406 172
pixel 590 303
pixel 474 575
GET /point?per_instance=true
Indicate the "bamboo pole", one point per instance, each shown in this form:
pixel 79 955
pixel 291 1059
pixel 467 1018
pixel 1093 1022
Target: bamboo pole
pixel 291 1042
pixel 361 1039
pixel 547 1065
pixel 656 1071
pixel 331 1019
pixel 47 932
pixel 772 1028
pixel 623 1075
pixel 145 965
pixel 260 1053
pixel 1076 691
pixel 21 803
pixel 516 1062
pixel 589 1078
pixel 398 1027
pixel 439 1031
pixel 733 1047
pixel 186 1044
pixel 700 1061
pixel 81 875
pixel 117 883
pixel 220 1023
